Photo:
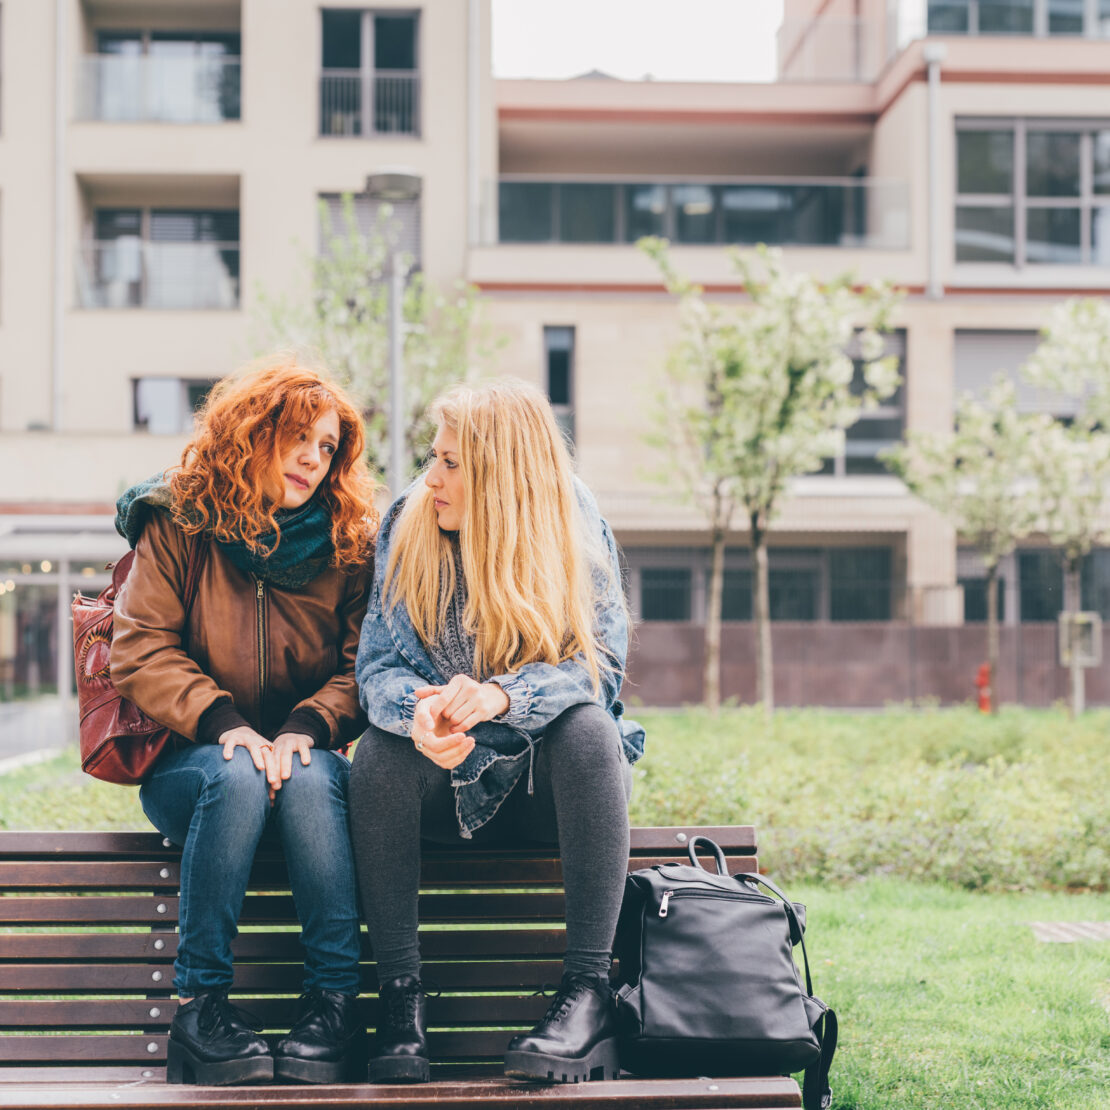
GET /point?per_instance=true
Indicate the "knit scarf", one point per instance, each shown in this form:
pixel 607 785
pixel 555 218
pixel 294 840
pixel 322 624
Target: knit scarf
pixel 305 550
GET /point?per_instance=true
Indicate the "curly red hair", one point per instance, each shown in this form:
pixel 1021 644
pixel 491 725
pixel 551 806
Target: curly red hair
pixel 246 425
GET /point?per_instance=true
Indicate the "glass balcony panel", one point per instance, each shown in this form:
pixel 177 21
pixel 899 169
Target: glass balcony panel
pixel 949 17
pixel 846 212
pixel 1052 163
pixel 163 88
pixel 1006 17
pixel 587 214
pixel 525 211
pixel 695 213
pixel 129 273
pixel 645 211
pixel 985 234
pixel 1052 236
pixel 986 161
pixel 1065 17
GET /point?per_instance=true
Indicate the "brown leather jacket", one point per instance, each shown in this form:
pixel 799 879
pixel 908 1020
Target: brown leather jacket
pixel 278 660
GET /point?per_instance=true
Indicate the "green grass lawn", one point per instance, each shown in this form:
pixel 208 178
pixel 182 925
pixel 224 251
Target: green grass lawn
pixel 924 843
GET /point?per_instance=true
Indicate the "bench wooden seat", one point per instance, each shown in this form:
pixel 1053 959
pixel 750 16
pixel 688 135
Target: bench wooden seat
pixel 87 942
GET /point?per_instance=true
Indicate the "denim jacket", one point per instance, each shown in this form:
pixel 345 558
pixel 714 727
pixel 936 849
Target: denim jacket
pixel 392 662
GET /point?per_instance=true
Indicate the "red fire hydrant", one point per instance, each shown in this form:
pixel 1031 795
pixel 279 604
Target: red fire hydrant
pixel 983 684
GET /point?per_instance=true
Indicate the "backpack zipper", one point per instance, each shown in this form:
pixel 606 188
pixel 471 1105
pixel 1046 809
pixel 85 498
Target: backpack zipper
pixel 704 892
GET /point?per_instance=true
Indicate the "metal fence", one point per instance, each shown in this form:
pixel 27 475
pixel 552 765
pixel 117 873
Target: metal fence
pixel 383 103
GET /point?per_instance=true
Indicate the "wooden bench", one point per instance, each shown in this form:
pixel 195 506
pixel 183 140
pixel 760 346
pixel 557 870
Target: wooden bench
pixel 87 941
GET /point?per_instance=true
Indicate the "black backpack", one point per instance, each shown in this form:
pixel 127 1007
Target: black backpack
pixel 707 979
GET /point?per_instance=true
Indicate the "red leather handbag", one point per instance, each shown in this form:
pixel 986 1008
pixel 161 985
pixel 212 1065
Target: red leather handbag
pixel 119 742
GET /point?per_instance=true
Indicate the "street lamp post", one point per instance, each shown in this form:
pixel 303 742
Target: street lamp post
pixel 389 185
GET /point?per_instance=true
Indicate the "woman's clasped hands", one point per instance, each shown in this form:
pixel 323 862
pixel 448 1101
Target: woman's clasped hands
pixel 444 713
pixel 274 758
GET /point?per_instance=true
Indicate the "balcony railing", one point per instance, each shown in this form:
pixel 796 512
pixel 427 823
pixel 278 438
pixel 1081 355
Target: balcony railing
pixel 133 273
pixel 812 212
pixel 149 89
pixel 354 103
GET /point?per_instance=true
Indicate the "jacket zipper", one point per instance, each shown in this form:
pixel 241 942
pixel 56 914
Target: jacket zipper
pixel 260 608
pixel 664 909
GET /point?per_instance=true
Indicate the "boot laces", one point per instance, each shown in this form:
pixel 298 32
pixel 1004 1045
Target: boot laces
pixel 217 1010
pixel 565 994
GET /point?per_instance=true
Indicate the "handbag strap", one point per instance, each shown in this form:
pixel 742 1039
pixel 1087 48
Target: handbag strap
pixel 795 924
pixel 816 1093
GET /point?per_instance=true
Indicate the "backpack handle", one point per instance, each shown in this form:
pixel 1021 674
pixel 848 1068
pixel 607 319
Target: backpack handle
pixel 714 847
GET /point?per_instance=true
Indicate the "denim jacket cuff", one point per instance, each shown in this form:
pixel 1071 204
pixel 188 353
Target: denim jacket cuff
pixel 406 710
pixel 520 697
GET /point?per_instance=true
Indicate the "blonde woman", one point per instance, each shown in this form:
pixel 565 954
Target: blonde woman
pixel 489 666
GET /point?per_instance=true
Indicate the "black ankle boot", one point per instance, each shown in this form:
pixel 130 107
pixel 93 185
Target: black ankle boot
pixel 402 1040
pixel 214 1043
pixel 327 1043
pixel 575 1041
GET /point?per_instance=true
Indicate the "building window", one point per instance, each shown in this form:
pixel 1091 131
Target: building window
pixel 558 343
pixel 804 584
pixel 1031 192
pixel 370 79
pixel 978 355
pixel 665 593
pixel 166 406
pixel 877 428
pixel 1019 17
pixel 161 76
pixel 160 258
pixel 402 229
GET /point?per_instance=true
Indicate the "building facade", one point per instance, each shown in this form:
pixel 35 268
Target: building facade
pixel 163 161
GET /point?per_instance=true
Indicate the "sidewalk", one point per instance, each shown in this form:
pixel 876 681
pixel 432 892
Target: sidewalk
pixel 30 731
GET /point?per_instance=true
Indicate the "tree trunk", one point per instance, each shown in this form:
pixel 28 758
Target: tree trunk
pixel 712 680
pixel 1072 603
pixel 992 634
pixel 761 610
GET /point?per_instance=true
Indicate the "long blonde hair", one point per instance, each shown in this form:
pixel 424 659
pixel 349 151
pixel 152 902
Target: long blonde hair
pixel 531 570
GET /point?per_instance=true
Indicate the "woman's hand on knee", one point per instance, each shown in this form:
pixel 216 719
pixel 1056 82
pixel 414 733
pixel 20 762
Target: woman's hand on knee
pixel 434 737
pixel 467 703
pixel 260 749
pixel 286 746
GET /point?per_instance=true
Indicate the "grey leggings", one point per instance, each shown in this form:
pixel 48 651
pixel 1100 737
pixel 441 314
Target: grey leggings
pixel 582 784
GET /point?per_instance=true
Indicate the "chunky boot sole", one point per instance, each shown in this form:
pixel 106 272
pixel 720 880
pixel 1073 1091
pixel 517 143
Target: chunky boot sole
pixel 319 1071
pixel 398 1069
pixel 183 1067
pixel 600 1063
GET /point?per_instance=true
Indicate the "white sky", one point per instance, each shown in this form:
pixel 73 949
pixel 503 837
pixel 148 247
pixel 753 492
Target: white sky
pixel 673 40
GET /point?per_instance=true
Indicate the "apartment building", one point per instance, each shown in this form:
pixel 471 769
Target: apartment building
pixel 163 160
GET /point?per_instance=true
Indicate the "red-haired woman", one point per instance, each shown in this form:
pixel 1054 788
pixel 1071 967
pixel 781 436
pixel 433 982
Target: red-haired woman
pixel 258 684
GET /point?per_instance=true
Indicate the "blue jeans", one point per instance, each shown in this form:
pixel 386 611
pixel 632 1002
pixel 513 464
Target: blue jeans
pixel 217 811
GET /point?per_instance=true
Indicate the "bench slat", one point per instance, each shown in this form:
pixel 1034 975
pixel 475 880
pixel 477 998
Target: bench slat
pixel 494 940
pixel 267 909
pixel 282 978
pixel 106 845
pixel 119 875
pixel 763 1093
pixel 136 1013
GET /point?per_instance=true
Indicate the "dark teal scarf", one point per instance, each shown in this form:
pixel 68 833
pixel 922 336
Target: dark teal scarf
pixel 306 548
